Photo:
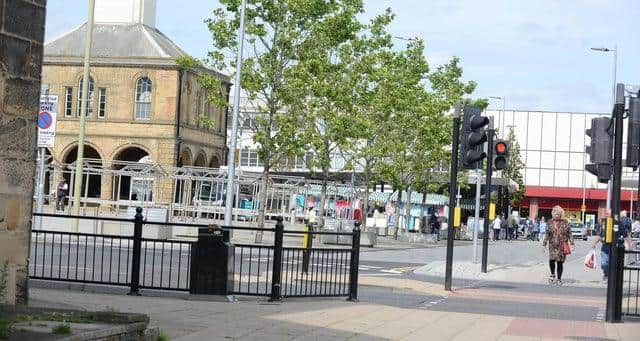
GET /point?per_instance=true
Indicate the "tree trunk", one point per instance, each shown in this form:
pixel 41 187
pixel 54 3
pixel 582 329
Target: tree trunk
pixel 407 211
pixel 397 214
pixel 365 203
pixel 386 223
pixel 262 202
pixel 323 196
pixel 423 226
pixel 365 197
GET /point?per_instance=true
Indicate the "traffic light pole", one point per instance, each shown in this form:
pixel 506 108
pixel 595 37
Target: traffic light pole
pixel 612 310
pixel 453 185
pixel 487 197
pixel 476 222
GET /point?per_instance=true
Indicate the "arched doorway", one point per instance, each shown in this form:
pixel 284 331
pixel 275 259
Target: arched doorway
pixel 201 160
pixel 214 162
pixel 92 185
pixel 131 183
pixel 186 158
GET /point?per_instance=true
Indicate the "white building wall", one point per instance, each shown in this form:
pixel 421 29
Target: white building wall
pixel 552 145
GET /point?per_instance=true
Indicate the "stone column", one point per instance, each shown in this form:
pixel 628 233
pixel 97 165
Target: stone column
pixel 602 209
pixel 533 208
pixel 106 187
pixel 21 37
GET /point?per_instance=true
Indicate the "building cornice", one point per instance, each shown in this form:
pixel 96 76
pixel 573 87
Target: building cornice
pixel 155 63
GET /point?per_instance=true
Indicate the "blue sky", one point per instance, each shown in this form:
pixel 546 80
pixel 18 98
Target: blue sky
pixel 534 53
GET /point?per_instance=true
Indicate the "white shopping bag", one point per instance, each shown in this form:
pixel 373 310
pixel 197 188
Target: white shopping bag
pixel 590 259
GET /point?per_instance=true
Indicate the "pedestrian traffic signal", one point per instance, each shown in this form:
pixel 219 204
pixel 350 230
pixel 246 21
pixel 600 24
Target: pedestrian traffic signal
pixel 633 134
pixel 600 148
pixel 473 137
pixel 500 154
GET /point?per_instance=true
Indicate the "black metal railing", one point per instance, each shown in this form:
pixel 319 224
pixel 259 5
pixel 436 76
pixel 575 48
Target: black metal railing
pixel 631 285
pixel 253 268
pixel 80 257
pixel 110 259
pixel 273 270
pixel 328 272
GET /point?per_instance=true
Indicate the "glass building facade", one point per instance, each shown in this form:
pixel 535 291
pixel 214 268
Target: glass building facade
pixel 552 147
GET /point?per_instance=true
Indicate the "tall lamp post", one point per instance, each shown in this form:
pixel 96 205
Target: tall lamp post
pixel 613 101
pixel 231 157
pixel 77 186
pixel 502 113
pixel 501 130
pixel 584 191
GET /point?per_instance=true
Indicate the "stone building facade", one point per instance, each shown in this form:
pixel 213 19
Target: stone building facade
pixel 142 104
pixel 21 37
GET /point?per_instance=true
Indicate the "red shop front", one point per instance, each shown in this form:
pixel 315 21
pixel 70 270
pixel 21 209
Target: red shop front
pixel 542 199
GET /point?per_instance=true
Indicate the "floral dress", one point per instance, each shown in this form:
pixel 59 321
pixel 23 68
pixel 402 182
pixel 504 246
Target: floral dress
pixel 558 231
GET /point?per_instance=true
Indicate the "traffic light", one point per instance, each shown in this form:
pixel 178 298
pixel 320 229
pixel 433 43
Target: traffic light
pixel 473 137
pixel 600 149
pixel 500 154
pixel 633 134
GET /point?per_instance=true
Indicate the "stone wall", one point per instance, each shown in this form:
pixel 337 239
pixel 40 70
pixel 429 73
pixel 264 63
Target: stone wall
pixel 21 37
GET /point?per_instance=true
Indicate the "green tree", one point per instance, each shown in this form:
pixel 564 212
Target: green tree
pixel 421 134
pixel 341 82
pixel 277 33
pixel 514 168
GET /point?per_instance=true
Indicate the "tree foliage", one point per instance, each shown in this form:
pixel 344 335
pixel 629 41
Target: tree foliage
pixel 279 35
pixel 328 83
pixel 514 168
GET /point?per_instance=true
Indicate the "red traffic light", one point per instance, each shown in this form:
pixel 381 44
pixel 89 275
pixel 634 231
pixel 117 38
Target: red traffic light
pixel 501 148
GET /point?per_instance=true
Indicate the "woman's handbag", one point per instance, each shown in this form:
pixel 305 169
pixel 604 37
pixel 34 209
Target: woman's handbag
pixel 566 249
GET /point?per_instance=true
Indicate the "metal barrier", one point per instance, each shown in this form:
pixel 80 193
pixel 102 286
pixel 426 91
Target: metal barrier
pixel 273 270
pixel 631 282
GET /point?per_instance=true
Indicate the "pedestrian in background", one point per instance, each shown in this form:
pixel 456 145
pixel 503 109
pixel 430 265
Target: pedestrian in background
pixel 497 224
pixel 61 194
pixel 504 227
pixel 511 228
pixel 535 230
pixel 543 228
pixel 434 224
pixel 528 233
pixel 635 229
pixel 605 249
pixel 311 216
pixel 558 237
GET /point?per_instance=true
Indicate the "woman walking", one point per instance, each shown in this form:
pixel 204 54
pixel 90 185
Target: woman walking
pixel 558 236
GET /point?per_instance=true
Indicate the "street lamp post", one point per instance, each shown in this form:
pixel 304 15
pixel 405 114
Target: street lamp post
pixel 77 188
pixel 613 101
pixel 502 119
pixel 231 157
pixel 584 190
pixel 502 131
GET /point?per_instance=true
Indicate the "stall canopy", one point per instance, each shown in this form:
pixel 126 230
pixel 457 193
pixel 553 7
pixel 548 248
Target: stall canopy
pixel 416 198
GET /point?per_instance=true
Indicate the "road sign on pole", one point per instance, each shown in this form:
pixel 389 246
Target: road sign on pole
pixel 47 121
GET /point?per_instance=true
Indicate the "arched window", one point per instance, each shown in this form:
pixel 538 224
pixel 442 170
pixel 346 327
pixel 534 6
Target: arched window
pixel 143 98
pixel 89 98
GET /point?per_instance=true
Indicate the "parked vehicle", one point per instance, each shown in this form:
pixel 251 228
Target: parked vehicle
pixel 578 230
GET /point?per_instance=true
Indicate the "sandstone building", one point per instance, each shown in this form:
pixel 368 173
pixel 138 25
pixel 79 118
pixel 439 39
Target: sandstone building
pixel 142 104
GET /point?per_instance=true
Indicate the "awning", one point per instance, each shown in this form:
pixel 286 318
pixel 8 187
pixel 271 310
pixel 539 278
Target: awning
pixel 416 198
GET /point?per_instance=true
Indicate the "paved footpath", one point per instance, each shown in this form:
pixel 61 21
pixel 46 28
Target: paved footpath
pixel 390 309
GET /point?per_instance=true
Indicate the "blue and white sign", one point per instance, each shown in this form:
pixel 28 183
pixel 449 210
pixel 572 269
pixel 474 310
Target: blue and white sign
pixel 47 121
